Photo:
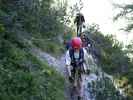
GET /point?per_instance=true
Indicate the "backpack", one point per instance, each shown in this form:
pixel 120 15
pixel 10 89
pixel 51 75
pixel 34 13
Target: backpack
pixel 80 61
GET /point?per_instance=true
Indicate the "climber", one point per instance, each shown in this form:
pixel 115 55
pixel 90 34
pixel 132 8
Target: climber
pixel 67 39
pixel 76 57
pixel 79 20
pixel 84 39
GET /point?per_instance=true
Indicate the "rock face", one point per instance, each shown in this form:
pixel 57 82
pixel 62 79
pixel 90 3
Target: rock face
pixel 59 65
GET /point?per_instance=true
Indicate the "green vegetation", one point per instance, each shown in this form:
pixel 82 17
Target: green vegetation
pixel 25 24
pixel 104 89
pixel 22 75
pixel 52 47
pixel 23 20
pixel 125 12
pixel 112 58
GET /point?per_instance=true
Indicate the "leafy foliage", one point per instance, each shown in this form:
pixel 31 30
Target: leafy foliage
pixel 23 76
pixel 111 56
pixel 50 47
pixel 127 12
pixel 32 17
pixel 104 89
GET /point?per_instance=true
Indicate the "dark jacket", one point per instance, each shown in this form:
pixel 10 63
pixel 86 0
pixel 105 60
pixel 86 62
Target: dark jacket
pixel 79 19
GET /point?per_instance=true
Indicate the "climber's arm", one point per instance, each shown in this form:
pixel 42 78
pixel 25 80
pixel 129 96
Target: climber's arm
pixel 68 63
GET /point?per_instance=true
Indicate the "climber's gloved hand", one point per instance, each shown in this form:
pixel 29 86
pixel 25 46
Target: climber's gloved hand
pixel 70 78
pixel 88 71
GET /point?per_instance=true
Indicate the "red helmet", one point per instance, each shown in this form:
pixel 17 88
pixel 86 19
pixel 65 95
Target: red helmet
pixel 76 42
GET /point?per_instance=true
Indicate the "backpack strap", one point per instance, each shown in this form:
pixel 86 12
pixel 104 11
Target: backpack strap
pixel 81 56
pixel 71 53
